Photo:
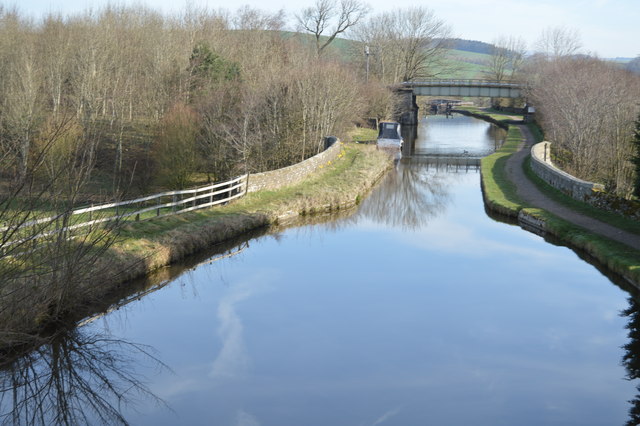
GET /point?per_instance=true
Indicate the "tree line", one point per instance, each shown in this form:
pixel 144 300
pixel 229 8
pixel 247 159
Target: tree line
pixel 125 99
pixel 585 105
pixel 126 95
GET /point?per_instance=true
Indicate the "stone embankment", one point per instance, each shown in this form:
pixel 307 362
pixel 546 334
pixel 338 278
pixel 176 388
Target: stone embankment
pixel 589 192
pixel 542 166
pixel 617 250
pixel 295 173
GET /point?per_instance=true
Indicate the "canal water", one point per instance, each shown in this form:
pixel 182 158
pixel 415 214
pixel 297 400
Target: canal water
pixel 418 309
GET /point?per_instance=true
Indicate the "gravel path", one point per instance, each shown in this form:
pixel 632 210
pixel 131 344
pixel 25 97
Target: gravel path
pixel 533 196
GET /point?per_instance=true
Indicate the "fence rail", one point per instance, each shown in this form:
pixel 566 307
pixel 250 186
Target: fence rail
pixel 156 205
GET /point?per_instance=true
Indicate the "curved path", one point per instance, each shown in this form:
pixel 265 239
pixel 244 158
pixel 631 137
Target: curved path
pixel 533 196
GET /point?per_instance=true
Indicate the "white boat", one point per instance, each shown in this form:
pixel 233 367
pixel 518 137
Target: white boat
pixel 389 135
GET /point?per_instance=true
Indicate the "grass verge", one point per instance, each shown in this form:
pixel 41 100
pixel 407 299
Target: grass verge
pixel 363 134
pixel 338 185
pixel 145 246
pixel 497 117
pixel 499 192
pixel 500 196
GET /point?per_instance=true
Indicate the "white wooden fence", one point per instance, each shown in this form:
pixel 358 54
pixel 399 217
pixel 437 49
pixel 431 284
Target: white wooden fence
pixel 162 204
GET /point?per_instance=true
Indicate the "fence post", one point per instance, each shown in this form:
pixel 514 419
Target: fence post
pixel 158 207
pixel 173 203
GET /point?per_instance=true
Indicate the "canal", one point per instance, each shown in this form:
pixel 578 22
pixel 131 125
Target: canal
pixel 417 309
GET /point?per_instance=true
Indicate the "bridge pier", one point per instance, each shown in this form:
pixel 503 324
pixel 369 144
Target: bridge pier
pixel 408 113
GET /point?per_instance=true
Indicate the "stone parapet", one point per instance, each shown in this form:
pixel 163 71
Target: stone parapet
pixel 545 169
pixel 291 175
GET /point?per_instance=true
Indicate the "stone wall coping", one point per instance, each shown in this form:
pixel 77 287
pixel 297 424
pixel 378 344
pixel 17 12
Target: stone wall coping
pixel 295 173
pixel 546 170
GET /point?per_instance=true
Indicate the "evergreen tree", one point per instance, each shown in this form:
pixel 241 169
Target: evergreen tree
pixel 631 357
pixel 206 68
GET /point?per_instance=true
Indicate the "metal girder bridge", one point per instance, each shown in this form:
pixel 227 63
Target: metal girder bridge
pixel 466 88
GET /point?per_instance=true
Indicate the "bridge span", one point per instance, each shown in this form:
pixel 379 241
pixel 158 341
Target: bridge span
pixel 466 88
pixel 450 88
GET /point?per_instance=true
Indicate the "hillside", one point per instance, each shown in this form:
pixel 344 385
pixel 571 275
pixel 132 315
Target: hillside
pixel 473 46
pixel 466 65
pixel 465 59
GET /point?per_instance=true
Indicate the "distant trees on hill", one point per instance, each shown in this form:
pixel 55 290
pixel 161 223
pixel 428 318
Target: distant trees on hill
pixel 470 45
pixel 634 65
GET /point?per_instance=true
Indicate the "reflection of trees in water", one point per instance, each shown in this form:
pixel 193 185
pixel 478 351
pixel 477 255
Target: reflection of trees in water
pixel 497 135
pixel 74 378
pixel 631 357
pixel 409 197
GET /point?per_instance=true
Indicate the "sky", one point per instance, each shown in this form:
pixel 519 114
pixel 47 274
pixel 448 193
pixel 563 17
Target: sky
pixel 607 28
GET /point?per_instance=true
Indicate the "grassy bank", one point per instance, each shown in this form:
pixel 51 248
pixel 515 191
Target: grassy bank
pixel 491 115
pixel 145 246
pixel 341 184
pixel 499 192
pixel 501 197
pixel 363 134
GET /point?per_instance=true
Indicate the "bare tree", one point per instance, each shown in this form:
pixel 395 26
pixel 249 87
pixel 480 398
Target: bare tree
pixel 556 42
pixel 328 15
pixel 99 91
pixel 587 108
pixel 175 148
pixel 48 274
pixel 21 109
pixel 507 56
pixel 407 44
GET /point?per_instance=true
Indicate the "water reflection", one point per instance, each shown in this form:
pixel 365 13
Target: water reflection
pixel 76 377
pixel 233 360
pixel 361 321
pixel 458 136
pixel 408 198
pixel 631 357
pixel 80 376
pixel 418 190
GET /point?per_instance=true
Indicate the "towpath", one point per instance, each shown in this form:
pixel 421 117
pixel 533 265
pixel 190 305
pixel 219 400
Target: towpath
pixel 533 196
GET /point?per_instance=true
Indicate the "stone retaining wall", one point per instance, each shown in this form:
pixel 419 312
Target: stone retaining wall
pixel 290 175
pixel 543 167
